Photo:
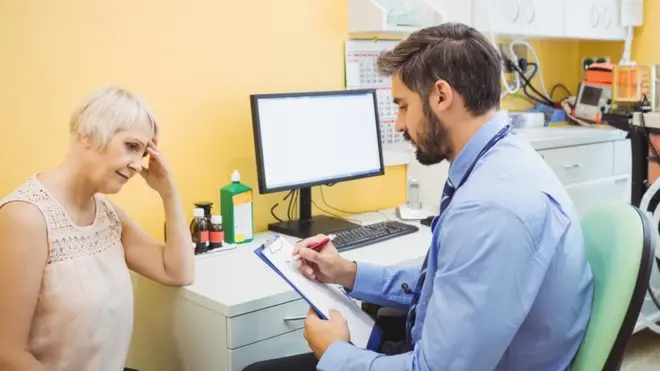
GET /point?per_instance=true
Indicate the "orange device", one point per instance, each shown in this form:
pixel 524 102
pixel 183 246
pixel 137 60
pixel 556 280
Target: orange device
pixel 599 73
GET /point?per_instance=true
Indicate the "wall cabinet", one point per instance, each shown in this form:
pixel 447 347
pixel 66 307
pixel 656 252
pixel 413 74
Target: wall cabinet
pixel 578 19
pixel 563 19
pixel 518 17
pixel 593 19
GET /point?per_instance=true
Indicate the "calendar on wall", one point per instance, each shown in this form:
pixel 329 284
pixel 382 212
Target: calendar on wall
pixel 360 65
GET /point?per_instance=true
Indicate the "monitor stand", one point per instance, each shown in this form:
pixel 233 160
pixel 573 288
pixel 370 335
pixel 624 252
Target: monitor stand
pixel 308 225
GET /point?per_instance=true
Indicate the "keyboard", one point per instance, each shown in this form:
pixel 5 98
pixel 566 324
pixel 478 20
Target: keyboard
pixel 364 235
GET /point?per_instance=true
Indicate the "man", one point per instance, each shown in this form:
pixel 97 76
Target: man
pixel 506 284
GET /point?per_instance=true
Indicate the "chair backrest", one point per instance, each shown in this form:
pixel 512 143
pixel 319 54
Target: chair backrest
pixel 619 239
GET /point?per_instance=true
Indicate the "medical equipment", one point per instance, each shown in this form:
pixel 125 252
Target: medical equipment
pixel 632 84
pixel 593 100
pixel 641 123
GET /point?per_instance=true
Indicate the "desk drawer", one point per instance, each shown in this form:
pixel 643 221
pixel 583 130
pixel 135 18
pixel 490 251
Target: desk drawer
pixel 266 323
pixel 281 346
pixel 581 163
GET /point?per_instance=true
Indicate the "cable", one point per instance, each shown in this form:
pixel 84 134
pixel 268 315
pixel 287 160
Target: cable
pixel 344 211
pixel 272 209
pixel 296 209
pixel 527 82
pixel 272 212
pixel 536 59
pixel 331 207
pixel 328 212
pixel 559 85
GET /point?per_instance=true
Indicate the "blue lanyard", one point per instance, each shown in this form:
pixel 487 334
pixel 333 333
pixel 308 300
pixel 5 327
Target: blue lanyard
pixel 491 143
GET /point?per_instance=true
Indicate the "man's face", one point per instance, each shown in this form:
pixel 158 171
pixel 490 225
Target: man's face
pixel 420 125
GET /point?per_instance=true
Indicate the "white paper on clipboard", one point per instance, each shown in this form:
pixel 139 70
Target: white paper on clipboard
pixel 321 297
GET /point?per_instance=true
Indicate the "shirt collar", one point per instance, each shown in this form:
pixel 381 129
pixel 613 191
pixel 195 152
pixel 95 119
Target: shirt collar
pixel 474 145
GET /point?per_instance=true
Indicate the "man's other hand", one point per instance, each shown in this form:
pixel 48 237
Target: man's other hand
pixel 321 334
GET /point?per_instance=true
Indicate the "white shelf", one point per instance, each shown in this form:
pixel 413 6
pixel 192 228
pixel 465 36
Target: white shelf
pixel 404 16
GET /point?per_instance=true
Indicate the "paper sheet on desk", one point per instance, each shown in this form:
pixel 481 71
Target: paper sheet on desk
pixel 321 297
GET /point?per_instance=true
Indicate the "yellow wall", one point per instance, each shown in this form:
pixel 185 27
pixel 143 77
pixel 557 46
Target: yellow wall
pixel 196 62
pixel 645 43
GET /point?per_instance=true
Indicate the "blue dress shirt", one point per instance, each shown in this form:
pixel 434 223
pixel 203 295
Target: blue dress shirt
pixel 508 285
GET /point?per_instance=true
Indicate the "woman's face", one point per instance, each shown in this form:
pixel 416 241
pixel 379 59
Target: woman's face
pixel 122 159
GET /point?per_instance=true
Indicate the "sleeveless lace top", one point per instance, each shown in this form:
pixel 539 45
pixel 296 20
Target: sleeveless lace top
pixel 84 315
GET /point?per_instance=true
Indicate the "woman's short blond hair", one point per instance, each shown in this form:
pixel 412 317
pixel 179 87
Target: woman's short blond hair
pixel 107 111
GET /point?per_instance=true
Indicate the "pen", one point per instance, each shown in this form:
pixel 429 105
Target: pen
pixel 318 246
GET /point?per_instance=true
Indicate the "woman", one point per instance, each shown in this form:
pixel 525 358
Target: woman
pixel 66 299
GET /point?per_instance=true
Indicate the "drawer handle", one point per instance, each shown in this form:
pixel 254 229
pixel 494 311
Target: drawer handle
pixel 572 166
pixel 295 318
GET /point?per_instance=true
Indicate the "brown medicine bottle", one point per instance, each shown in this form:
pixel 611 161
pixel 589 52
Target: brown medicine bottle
pixel 199 230
pixel 217 235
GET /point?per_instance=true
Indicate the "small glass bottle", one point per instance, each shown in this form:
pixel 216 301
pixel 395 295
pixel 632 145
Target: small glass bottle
pixel 217 233
pixel 199 229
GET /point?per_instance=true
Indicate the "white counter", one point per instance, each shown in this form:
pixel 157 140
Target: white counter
pixel 566 136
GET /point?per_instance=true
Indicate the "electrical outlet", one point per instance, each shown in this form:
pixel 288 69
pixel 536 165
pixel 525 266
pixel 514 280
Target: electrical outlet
pixel 519 50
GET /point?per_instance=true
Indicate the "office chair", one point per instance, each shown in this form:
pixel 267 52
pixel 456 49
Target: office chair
pixel 620 243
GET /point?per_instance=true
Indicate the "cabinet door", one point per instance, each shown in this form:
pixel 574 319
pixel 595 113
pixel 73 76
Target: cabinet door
pixel 503 17
pixel 593 19
pixel 611 15
pixel 587 195
pixel 582 19
pixel 543 18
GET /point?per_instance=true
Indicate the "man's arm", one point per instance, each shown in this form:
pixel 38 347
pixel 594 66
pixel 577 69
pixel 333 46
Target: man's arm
pixel 488 275
pixel 382 285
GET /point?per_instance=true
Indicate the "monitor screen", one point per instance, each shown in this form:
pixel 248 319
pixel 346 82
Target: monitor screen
pixel 590 95
pixel 307 139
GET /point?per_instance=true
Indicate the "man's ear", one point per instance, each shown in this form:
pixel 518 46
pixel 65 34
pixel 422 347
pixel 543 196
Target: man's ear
pixel 441 96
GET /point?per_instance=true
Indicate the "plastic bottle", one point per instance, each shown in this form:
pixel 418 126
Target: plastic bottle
pixel 217 233
pixel 237 210
pixel 199 229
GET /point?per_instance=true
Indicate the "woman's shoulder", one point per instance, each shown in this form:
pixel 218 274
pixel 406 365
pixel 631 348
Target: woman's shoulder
pixel 22 206
pixel 28 191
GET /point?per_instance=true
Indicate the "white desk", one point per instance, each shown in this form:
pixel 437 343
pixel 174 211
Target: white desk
pixel 239 311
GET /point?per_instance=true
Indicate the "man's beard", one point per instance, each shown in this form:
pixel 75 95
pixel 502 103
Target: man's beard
pixel 434 146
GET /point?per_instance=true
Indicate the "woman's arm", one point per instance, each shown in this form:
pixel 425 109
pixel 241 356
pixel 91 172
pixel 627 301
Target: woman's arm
pixel 170 263
pixel 23 256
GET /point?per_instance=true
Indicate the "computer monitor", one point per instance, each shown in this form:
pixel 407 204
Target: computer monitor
pixel 315 138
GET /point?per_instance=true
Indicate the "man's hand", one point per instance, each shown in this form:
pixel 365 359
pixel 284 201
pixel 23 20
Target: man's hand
pixel 321 334
pixel 327 265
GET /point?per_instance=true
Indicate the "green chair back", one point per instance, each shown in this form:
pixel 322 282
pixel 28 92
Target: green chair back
pixel 619 239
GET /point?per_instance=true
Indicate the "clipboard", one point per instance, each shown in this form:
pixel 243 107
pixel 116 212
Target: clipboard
pixel 364 333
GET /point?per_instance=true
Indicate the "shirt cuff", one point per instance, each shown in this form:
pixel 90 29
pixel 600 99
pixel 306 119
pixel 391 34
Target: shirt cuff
pixel 336 356
pixel 368 280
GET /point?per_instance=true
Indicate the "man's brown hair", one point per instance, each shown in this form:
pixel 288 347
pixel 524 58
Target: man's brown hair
pixel 453 52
